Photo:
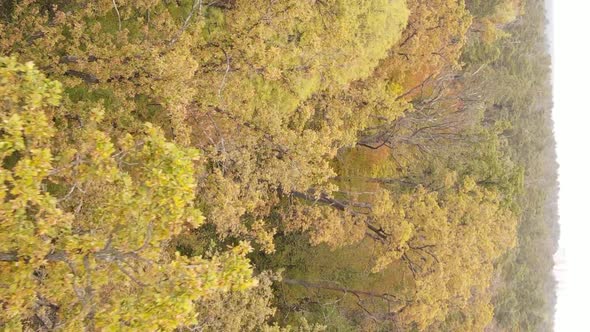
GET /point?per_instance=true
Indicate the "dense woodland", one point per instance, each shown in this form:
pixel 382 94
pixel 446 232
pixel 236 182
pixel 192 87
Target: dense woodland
pixel 276 165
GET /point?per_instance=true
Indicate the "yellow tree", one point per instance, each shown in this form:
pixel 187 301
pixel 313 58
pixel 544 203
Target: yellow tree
pixel 84 228
pixel 447 240
pixel 241 80
pixel 432 41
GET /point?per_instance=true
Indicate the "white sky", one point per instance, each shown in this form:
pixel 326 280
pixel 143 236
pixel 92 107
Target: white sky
pixel 571 20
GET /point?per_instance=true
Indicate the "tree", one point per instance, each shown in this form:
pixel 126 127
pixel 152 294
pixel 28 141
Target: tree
pixel 381 151
pixel 84 229
pixel 432 41
pixel 448 241
pixel 245 91
pixel 446 114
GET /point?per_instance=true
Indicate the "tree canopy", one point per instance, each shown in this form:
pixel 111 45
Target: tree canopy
pixel 233 165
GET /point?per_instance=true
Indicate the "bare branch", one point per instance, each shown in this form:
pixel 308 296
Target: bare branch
pixel 227 69
pixel 197 4
pixel 88 78
pixel 118 14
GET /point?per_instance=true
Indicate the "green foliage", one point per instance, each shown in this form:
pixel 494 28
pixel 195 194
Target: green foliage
pixel 482 8
pixel 526 294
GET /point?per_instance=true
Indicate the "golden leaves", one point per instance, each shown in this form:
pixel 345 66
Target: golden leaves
pixel 108 232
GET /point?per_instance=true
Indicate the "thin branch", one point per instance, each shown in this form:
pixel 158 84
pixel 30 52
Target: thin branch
pixel 128 274
pixel 419 86
pixel 227 69
pixel 118 14
pixel 68 194
pixel 86 77
pixel 89 295
pixel 410 264
pixel 148 237
pixel 356 292
pixel 367 312
pixel 197 4
pixel 480 68
pixel 221 138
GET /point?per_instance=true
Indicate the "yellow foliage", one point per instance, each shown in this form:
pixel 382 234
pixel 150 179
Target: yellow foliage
pixel 97 254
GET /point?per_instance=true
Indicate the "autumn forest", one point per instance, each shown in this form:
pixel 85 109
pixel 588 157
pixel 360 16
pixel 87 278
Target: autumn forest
pixel 276 165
